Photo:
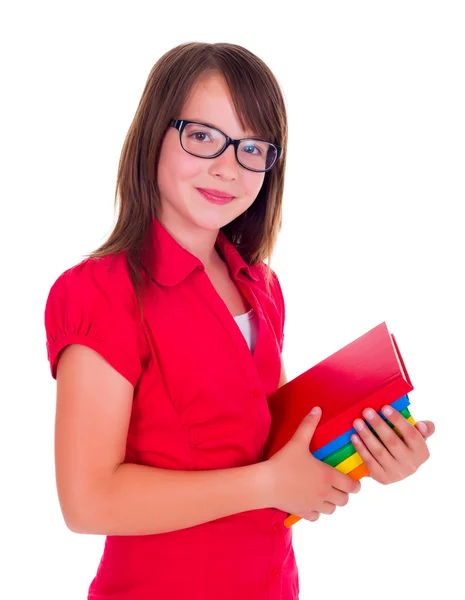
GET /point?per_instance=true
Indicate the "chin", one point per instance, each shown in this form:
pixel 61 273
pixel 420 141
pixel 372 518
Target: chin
pixel 213 222
pixel 217 217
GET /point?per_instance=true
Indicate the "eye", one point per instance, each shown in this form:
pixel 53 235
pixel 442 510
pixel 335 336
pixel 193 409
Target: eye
pixel 249 148
pixel 197 135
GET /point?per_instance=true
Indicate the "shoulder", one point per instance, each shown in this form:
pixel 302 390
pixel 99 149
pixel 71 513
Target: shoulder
pixel 94 303
pixel 272 298
pixel 268 282
pixel 94 277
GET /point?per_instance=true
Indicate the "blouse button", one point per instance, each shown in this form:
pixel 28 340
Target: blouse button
pixel 275 527
pixel 275 572
pixel 256 393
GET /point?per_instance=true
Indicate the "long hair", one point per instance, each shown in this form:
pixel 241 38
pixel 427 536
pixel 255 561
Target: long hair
pixel 259 105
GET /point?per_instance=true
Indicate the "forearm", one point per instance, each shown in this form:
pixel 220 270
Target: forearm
pixel 142 500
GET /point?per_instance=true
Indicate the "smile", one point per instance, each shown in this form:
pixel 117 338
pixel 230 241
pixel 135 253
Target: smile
pixel 215 199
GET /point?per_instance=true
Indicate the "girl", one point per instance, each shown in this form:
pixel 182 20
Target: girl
pixel 166 343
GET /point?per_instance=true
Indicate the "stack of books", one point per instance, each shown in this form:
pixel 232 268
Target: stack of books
pixel 367 373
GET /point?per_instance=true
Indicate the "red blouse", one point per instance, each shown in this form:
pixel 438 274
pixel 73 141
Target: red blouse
pixel 200 402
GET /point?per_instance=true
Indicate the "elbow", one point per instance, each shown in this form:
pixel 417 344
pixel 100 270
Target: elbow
pixel 83 517
pixel 78 523
pixel 76 526
pixel 85 525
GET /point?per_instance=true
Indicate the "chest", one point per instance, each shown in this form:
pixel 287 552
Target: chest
pixel 202 400
pixel 227 289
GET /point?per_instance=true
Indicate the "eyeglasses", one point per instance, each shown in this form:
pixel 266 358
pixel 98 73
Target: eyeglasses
pixel 204 141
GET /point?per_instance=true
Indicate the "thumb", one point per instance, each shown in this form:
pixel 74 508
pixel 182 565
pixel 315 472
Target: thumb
pixel 306 429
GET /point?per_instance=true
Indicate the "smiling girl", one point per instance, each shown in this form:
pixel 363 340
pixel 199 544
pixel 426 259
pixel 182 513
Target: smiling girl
pixel 166 343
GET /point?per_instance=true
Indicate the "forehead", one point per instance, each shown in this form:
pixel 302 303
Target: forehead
pixel 210 102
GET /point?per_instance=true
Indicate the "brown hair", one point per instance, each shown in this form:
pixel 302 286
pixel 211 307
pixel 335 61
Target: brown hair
pixel 259 104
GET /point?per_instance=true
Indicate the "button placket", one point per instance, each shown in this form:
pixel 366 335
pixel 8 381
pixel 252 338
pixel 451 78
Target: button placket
pixel 276 556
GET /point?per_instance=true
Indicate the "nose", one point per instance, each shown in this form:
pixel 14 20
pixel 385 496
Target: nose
pixel 225 164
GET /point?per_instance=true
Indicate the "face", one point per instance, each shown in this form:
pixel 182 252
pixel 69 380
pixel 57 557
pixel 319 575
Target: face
pixel 180 174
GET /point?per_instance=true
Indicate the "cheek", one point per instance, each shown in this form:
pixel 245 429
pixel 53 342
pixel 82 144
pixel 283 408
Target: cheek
pixel 252 184
pixel 190 169
pixel 176 166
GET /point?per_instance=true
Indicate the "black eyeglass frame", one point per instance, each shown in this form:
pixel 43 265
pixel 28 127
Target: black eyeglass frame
pixel 180 124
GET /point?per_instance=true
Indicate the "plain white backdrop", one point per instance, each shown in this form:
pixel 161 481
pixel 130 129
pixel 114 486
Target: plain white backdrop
pixel 372 232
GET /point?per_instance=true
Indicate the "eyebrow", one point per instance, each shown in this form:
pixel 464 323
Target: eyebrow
pixel 219 128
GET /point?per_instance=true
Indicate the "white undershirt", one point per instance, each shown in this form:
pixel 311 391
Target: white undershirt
pixel 248 324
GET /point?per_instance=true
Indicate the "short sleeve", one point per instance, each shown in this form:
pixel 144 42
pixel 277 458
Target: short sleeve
pixel 280 305
pixel 93 304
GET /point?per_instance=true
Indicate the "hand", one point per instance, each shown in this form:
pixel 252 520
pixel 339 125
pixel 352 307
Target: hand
pixel 391 458
pixel 301 484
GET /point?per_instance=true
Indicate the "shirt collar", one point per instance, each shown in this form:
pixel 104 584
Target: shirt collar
pixel 170 263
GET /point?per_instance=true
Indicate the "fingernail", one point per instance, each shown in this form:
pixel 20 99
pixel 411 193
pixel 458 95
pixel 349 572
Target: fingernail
pixel 315 410
pixel 369 414
pixel 422 426
pixel 387 410
pixel 358 424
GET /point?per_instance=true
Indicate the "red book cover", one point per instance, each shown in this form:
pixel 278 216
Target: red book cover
pixel 368 372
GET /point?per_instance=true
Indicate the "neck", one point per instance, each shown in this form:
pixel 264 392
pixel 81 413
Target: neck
pixel 199 242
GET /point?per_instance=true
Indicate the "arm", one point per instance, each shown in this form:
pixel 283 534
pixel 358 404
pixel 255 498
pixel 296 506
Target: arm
pixel 99 493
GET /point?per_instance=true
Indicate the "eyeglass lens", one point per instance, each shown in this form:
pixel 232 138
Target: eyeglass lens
pixel 206 141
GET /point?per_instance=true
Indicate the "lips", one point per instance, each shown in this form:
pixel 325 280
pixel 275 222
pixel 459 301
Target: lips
pixel 216 196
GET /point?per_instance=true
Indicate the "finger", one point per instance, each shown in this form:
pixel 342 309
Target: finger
pixel 337 497
pixel 426 428
pixel 411 437
pixel 375 469
pixel 312 515
pixel 343 482
pixel 387 437
pixel 373 453
pixel 327 508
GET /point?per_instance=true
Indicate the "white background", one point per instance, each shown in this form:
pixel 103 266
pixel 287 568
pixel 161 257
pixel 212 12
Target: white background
pixel 371 233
